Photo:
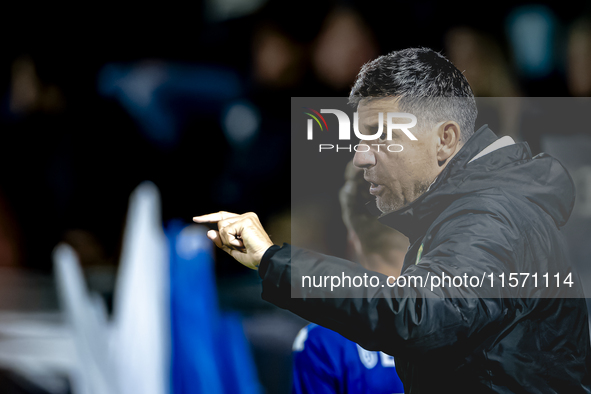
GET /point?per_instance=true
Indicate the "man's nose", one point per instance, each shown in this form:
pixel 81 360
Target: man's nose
pixel 364 157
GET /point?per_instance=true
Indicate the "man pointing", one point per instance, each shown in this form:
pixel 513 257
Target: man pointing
pixel 473 206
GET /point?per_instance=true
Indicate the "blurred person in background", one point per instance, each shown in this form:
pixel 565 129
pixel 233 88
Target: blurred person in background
pixel 579 58
pixel 325 361
pixel 375 246
pixel 344 44
pixel 483 62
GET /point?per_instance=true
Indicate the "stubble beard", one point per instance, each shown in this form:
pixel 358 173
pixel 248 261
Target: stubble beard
pixel 389 202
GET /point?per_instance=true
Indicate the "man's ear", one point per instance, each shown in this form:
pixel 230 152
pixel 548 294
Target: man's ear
pixel 448 134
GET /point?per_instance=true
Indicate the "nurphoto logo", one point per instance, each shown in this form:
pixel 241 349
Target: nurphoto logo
pixel 345 129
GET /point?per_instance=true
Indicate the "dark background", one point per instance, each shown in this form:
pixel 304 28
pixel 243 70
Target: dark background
pixel 196 97
pixel 74 82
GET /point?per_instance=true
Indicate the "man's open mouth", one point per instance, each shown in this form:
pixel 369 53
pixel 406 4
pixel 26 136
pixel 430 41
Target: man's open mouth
pixel 374 188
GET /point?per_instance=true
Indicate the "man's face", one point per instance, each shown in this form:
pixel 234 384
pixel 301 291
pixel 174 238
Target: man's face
pixel 396 178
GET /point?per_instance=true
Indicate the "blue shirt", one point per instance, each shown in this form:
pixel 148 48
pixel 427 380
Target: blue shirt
pixel 327 362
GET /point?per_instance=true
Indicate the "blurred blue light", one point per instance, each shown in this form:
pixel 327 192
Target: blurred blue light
pixel 241 122
pixel 531 30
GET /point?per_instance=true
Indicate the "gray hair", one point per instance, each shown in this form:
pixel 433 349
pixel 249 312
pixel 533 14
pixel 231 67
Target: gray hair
pixel 426 84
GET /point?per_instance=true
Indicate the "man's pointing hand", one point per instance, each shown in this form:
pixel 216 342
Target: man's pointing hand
pixel 241 236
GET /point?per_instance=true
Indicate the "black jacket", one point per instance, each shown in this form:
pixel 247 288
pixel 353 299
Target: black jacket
pixel 499 214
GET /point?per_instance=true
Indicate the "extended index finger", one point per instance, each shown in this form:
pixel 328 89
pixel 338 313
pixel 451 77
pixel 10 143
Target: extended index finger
pixel 214 217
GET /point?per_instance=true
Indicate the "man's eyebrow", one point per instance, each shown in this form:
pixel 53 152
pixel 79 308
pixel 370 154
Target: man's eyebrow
pixel 375 125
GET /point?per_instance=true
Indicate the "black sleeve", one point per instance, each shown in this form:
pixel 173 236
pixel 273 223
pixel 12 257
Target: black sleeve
pixel 409 320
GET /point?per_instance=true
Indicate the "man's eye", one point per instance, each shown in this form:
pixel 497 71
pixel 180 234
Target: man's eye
pixel 383 136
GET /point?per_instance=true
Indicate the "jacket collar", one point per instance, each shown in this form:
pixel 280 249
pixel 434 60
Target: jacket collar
pixel 414 219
